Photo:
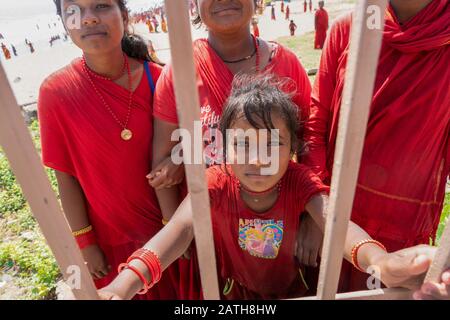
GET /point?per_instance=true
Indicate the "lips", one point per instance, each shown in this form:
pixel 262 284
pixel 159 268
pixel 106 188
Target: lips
pixel 94 34
pixel 225 9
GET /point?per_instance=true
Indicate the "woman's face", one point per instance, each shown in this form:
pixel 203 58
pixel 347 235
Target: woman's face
pixel 95 26
pixel 226 16
pixel 263 169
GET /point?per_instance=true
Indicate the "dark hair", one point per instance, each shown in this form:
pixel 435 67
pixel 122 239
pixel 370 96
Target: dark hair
pixel 133 45
pixel 197 21
pixel 256 98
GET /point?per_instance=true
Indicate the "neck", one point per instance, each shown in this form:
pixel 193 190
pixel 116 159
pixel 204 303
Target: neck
pixel 405 10
pixel 109 64
pixel 232 46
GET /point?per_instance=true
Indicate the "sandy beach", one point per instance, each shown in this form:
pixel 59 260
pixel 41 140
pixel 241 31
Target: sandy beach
pixel 27 71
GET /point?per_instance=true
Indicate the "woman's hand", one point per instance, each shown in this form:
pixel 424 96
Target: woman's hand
pixel 96 261
pixel 166 174
pixel 435 291
pixel 405 268
pixel 309 242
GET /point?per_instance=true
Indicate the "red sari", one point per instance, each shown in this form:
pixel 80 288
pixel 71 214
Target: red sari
pixel 255 251
pixel 81 138
pixel 321 27
pixel 214 85
pixel 406 157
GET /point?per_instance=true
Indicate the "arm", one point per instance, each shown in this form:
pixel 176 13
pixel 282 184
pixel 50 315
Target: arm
pixel 168 244
pixel 74 205
pixel 403 268
pixel 165 174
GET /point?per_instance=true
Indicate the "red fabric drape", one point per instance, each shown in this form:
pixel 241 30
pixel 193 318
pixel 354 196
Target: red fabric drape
pixel 406 157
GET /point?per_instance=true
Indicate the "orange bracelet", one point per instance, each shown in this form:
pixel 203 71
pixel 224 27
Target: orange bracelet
pixel 151 260
pixel 123 266
pixel 356 248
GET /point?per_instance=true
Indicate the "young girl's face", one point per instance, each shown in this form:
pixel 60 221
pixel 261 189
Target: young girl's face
pixel 226 16
pixel 251 174
pixel 97 27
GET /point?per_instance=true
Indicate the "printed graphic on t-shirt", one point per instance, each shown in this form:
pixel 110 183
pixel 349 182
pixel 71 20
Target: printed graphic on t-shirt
pixel 261 238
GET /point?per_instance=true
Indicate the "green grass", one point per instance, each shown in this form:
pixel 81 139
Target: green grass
pixel 445 216
pixel 303 47
pixel 24 254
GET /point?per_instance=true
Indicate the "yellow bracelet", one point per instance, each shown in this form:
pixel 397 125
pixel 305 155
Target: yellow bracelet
pixel 82 231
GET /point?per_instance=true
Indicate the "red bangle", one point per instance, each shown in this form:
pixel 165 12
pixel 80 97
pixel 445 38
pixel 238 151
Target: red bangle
pixel 123 266
pixel 151 260
pixel 356 248
pixel 86 239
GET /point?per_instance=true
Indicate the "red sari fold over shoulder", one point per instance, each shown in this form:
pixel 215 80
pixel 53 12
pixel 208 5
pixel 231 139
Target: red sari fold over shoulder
pixel 406 156
pixel 81 138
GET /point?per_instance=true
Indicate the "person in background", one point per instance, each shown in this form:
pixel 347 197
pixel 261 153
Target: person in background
pixel 292 27
pixel 320 25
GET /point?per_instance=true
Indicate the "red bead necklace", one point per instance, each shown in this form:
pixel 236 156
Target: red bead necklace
pixel 126 133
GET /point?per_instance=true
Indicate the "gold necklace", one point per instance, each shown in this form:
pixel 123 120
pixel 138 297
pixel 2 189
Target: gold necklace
pixel 126 133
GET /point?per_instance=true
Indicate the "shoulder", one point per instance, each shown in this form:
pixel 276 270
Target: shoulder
pixel 62 77
pixel 61 83
pixel 342 25
pixel 301 173
pixel 218 178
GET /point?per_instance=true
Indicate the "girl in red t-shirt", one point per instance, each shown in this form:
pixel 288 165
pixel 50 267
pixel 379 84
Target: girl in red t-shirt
pixel 255 209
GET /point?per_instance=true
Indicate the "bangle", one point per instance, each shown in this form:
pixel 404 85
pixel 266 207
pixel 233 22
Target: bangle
pixel 82 231
pixel 151 260
pixel 86 239
pixel 356 248
pixel 123 266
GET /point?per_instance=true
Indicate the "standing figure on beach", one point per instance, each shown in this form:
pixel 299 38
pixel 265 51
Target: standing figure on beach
pixel 155 23
pixel 150 26
pixel 95 118
pixel 310 5
pixel 273 13
pixel 321 26
pixel 30 45
pixel 288 12
pixel 6 52
pixel 14 50
pixel 305 6
pixel 163 24
pixel 292 27
pixel 282 6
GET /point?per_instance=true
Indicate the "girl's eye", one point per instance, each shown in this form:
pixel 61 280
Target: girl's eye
pixel 102 6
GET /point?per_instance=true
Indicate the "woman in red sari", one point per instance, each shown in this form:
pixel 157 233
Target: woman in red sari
pixel 229 49
pixel 406 158
pixel 96 126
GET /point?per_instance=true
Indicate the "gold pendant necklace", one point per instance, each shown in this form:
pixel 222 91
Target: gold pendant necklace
pixel 126 134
